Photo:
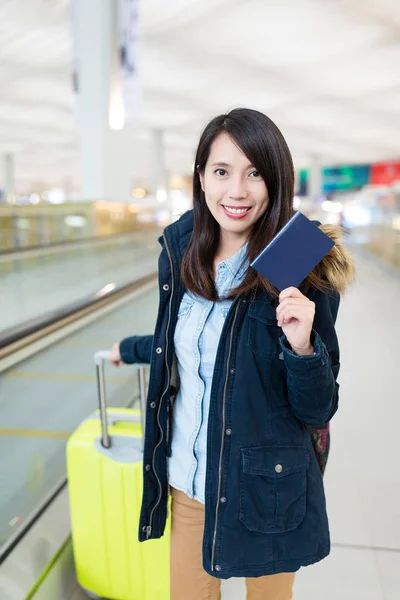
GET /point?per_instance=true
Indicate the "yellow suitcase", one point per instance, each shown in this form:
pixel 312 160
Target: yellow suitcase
pixel 104 465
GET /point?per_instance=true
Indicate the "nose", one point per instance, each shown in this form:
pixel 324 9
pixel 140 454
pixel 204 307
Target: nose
pixel 237 188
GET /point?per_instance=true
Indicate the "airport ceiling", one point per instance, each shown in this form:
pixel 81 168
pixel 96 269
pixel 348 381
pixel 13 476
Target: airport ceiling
pixel 326 71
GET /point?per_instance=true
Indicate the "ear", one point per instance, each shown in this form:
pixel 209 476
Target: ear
pixel 201 176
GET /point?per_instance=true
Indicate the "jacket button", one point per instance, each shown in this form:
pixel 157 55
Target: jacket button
pixel 228 431
pixel 217 568
pixel 223 500
pixel 279 468
pixel 232 371
pixel 165 287
pixel 159 350
pixel 148 467
pixel 152 404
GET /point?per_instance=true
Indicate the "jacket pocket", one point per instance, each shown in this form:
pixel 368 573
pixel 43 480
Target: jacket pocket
pixel 273 487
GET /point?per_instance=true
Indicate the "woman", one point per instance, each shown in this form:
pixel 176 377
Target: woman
pixel 239 373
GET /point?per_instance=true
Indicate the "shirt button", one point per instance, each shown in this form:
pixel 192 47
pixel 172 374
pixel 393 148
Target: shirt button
pixel 222 500
pixel 159 350
pixel 228 431
pixel 232 371
pixel 148 467
pixel 165 287
pixel 217 568
pixel 279 468
pixel 152 404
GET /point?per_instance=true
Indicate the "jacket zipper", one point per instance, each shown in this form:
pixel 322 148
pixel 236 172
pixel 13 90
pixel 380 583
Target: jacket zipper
pixel 222 441
pixel 149 527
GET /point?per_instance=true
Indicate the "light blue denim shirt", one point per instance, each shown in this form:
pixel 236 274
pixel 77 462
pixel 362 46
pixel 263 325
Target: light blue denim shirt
pixel 196 339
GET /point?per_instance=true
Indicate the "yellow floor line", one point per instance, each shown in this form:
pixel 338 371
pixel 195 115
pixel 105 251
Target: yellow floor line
pixel 62 376
pixel 35 433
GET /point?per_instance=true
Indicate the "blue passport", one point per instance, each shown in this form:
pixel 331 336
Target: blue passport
pixel 293 253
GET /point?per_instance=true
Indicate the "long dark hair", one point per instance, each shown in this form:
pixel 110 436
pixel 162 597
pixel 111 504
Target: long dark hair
pixel 265 147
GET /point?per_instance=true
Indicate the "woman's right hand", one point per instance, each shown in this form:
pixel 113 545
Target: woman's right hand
pixel 115 356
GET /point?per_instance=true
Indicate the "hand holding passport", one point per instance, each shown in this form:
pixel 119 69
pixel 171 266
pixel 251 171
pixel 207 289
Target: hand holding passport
pixel 287 260
pixel 293 253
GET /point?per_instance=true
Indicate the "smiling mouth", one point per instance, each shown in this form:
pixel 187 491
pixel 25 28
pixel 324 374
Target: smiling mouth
pixel 236 211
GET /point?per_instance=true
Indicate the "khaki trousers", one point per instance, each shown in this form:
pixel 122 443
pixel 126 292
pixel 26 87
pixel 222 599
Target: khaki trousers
pixel 189 581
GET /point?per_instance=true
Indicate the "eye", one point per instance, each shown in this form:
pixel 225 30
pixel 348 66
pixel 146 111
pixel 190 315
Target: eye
pixel 255 174
pixel 220 172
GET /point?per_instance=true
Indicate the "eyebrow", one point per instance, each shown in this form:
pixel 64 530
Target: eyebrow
pixel 224 164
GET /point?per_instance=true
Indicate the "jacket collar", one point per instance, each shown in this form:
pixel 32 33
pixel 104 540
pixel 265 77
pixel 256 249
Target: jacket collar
pixel 337 266
pixel 178 236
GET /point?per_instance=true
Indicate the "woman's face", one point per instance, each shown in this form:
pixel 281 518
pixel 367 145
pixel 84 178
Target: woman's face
pixel 234 190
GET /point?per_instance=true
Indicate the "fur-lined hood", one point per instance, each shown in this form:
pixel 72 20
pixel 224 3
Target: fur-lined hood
pixel 338 265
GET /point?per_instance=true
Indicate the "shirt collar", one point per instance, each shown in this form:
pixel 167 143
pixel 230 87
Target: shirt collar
pixel 237 264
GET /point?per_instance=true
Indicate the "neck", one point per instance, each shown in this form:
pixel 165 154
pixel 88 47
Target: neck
pixel 230 243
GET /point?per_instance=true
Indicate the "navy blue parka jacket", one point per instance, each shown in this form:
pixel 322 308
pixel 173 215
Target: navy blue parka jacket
pixel 265 508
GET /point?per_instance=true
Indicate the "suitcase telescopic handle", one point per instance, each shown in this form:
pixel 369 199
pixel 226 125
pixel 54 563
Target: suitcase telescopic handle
pixel 100 358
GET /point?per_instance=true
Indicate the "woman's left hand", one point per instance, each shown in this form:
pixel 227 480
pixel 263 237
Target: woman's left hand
pixel 295 314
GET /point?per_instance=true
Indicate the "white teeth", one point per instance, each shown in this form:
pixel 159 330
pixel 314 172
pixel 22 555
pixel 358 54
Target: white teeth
pixel 236 211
